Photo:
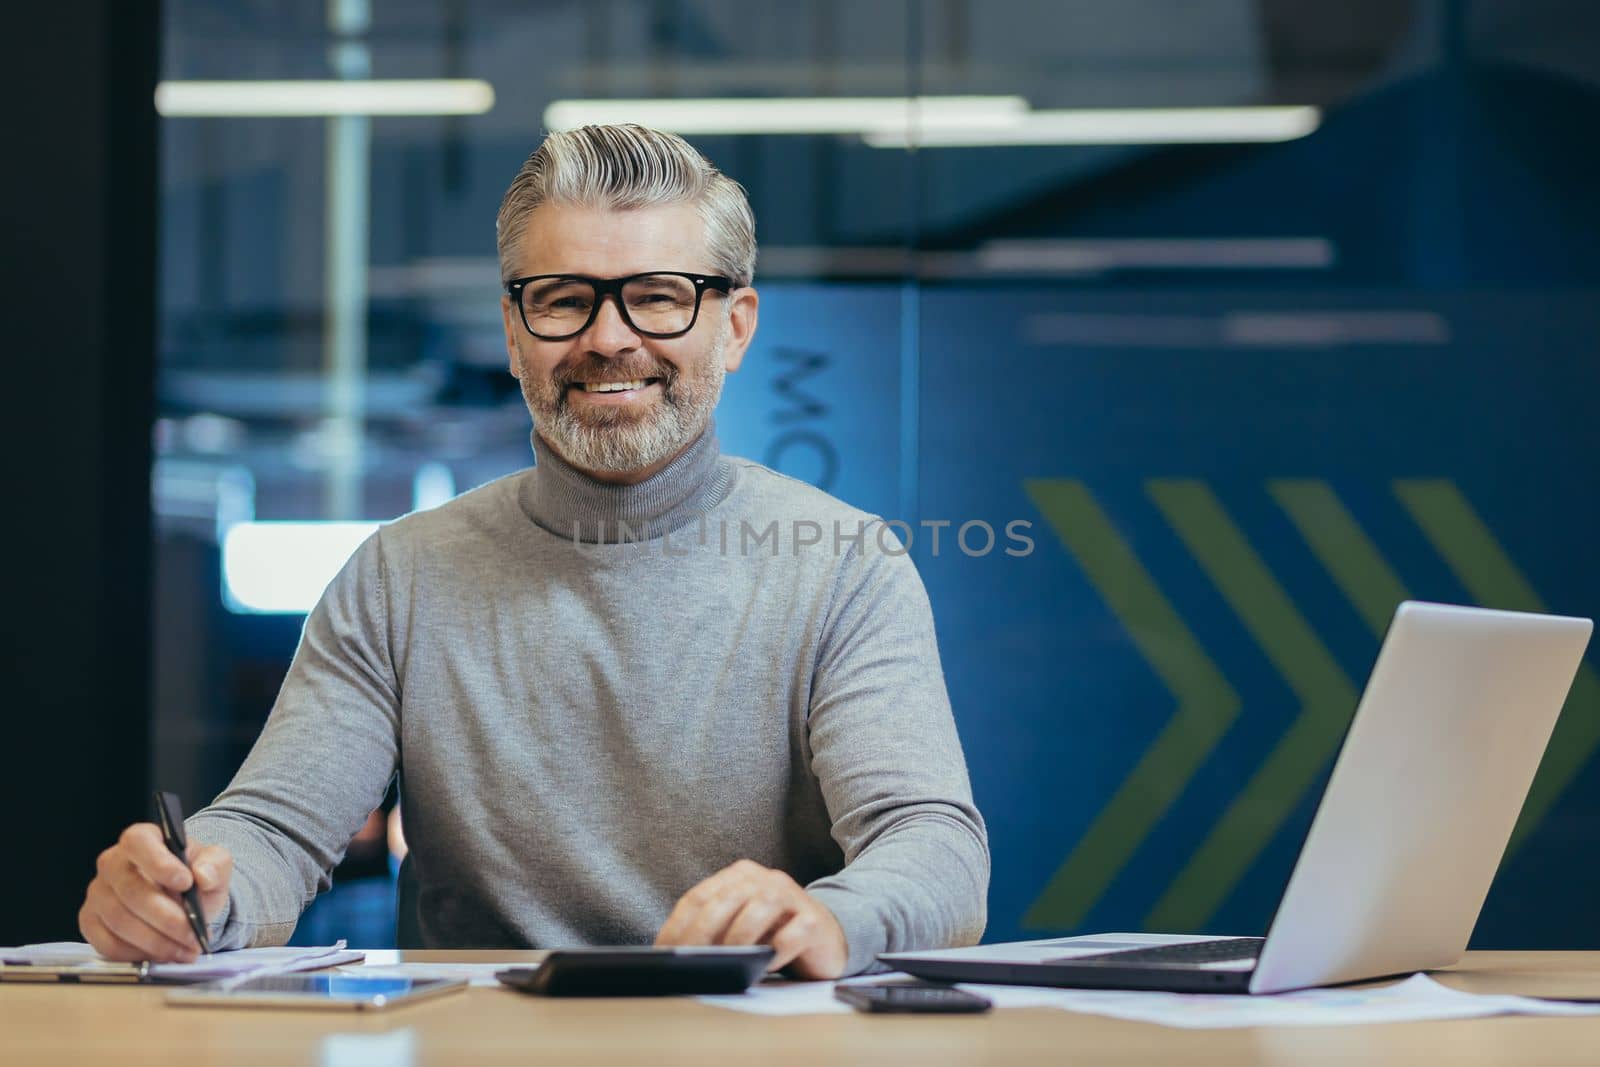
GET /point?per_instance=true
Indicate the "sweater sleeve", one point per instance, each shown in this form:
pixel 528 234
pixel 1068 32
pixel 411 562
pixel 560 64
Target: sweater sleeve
pixel 320 766
pixel 885 751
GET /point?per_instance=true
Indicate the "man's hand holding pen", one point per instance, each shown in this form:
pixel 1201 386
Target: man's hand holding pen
pixel 132 910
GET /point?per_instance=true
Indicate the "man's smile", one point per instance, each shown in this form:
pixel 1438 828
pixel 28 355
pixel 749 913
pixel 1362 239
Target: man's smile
pixel 616 392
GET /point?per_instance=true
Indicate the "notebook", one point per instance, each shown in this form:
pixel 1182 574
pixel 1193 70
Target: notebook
pixel 74 961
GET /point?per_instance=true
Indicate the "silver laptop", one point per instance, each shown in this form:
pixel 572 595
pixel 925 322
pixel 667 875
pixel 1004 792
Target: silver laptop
pixel 1416 816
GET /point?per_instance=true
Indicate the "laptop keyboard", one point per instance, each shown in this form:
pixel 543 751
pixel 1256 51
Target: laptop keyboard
pixel 1231 948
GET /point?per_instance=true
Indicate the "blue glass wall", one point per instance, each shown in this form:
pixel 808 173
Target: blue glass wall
pixel 1242 397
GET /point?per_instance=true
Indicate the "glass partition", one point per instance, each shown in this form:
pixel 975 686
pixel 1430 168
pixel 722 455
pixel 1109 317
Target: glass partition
pixel 1251 317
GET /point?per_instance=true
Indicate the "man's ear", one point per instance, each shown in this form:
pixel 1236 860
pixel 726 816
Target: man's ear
pixel 742 316
pixel 508 319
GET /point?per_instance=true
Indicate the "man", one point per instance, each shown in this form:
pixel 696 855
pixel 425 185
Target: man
pixel 613 720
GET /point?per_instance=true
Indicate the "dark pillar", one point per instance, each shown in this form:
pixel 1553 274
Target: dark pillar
pixel 78 192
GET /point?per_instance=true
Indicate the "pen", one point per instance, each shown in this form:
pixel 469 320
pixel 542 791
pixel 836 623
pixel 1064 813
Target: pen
pixel 170 814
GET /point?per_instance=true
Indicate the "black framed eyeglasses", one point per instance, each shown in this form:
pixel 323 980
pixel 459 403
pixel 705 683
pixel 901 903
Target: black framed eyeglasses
pixel 558 307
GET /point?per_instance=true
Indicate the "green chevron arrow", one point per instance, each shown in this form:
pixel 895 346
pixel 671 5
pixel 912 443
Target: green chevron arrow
pixel 1207 704
pixel 1471 552
pixel 1326 695
pixel 1343 548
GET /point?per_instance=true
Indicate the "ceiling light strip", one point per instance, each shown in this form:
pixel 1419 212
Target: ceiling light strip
pixel 793 115
pixel 308 98
pixel 1113 126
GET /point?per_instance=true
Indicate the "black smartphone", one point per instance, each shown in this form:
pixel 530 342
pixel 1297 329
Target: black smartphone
pixel 911 998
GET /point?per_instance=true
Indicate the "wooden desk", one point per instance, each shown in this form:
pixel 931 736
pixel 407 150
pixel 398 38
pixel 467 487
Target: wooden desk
pixel 50 1025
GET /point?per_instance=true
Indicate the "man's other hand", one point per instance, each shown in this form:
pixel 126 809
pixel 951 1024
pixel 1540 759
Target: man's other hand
pixel 748 904
pixel 132 911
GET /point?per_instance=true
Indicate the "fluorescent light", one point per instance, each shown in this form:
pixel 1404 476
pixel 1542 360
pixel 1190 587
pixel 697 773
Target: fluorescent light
pixel 1328 329
pixel 1091 255
pixel 1237 329
pixel 943 121
pixel 815 115
pixel 1107 126
pixel 283 567
pixel 261 99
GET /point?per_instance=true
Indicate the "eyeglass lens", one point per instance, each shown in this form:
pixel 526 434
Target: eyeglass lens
pixel 653 303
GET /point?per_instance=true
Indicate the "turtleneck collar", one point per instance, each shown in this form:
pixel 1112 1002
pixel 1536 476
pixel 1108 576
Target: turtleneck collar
pixel 570 503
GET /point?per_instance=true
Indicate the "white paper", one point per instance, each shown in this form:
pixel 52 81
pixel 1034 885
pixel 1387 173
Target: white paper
pixel 1418 997
pixel 254 962
pixel 51 953
pixel 245 962
pixel 782 998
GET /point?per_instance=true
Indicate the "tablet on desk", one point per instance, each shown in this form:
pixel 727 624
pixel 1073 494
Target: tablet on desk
pixel 642 972
pixel 339 992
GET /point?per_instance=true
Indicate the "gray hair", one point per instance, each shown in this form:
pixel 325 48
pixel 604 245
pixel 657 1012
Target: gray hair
pixel 624 167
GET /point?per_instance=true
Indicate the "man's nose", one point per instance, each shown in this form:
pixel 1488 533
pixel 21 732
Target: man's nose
pixel 610 332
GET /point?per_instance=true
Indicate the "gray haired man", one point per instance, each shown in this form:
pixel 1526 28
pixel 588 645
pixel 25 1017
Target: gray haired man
pixel 612 723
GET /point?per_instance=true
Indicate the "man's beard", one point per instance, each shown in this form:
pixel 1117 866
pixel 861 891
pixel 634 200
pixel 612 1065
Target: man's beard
pixel 614 439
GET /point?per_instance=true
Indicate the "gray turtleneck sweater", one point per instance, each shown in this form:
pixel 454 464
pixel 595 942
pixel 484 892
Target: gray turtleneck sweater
pixel 588 718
